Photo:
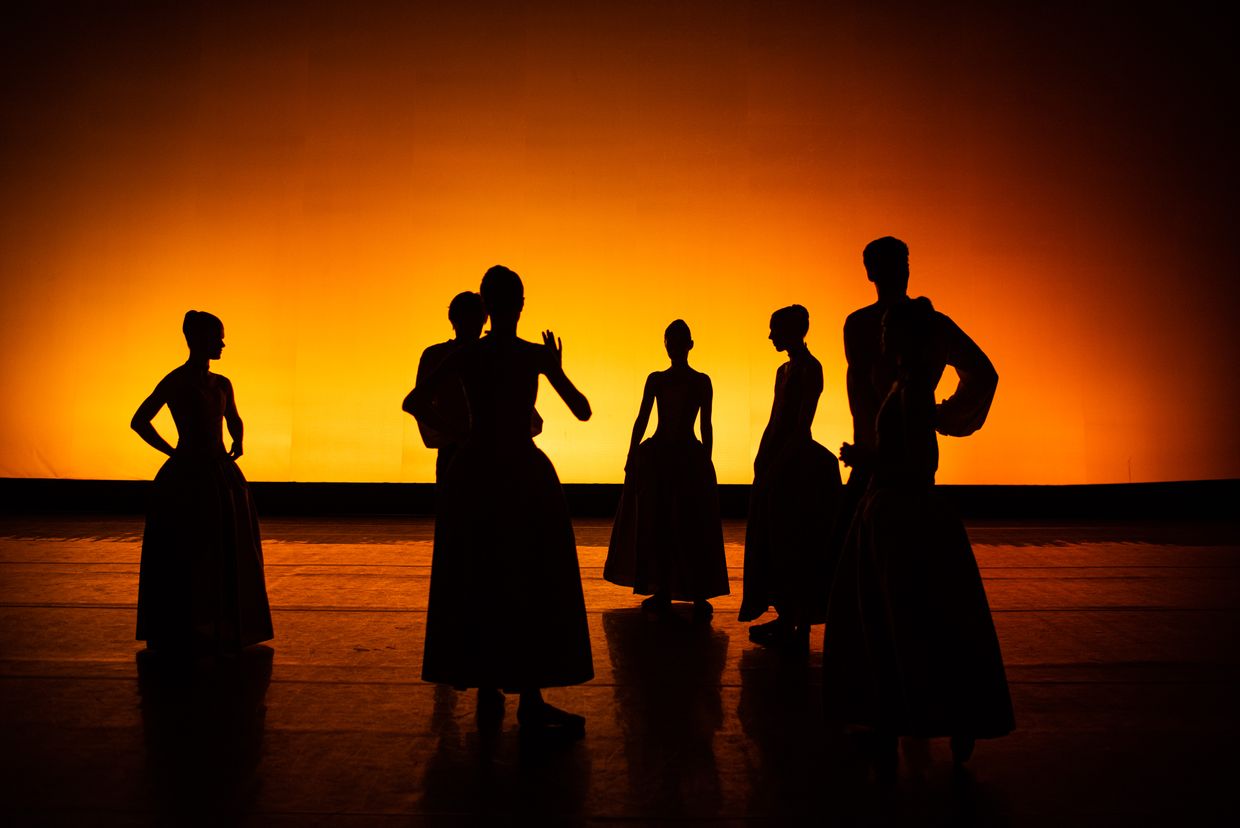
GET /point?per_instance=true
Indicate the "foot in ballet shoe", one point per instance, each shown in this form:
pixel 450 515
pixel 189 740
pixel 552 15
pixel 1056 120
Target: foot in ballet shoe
pixel 772 633
pixel 544 720
pixel 657 603
pixel 702 610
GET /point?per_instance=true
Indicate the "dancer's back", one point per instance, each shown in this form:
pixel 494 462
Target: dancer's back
pixel 197 404
pixel 500 377
pixel 679 394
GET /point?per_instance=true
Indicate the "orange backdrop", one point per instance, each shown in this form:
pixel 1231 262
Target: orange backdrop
pixel 325 181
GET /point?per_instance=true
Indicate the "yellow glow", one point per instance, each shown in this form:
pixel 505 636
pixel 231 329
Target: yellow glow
pixel 327 191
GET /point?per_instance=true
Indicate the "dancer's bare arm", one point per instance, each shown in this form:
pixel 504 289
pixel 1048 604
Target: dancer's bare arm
pixel 574 399
pixel 643 417
pixel 236 429
pixel 141 421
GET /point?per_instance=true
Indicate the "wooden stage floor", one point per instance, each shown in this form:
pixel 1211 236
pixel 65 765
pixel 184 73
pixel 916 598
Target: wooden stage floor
pixel 1120 641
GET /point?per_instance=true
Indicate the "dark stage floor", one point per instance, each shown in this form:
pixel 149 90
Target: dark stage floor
pixel 1120 643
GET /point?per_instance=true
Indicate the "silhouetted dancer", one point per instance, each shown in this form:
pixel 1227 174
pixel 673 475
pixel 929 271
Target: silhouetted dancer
pixel 871 372
pixel 467 315
pixel 201 585
pixel 910 647
pixel 793 501
pixel 506 608
pixel 667 539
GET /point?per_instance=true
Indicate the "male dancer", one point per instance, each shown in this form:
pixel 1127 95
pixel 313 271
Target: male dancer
pixel 467 315
pixel 870 374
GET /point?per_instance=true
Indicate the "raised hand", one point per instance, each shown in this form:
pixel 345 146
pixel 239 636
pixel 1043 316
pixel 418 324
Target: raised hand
pixel 576 401
pixel 555 348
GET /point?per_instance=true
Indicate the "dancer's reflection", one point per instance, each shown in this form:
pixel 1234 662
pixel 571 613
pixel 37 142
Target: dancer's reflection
pixel 667 684
pixel 795 771
pixel 459 776
pixel 910 647
pixel 485 776
pixel 203 727
pixel 793 501
pixel 506 609
pixel 201 584
pixel 667 539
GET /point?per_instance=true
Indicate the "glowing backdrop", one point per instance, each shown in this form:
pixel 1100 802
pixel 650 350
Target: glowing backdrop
pixel 325 181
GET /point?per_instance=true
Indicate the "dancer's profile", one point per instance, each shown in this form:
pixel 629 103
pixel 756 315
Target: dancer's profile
pixel 910 648
pixel 667 539
pixel 467 315
pixel 793 500
pixel 506 610
pixel 201 586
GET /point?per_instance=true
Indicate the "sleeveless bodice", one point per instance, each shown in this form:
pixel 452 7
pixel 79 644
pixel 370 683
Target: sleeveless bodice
pixel 500 379
pixel 197 407
pixel 678 399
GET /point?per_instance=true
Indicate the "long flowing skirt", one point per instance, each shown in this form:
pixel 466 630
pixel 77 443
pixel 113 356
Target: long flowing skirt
pixel 910 647
pixel 506 608
pixel 788 536
pixel 667 536
pixel 201 581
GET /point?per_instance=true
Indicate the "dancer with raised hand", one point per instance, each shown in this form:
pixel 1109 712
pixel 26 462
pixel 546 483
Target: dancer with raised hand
pixel 201 586
pixel 793 500
pixel 667 538
pixel 910 648
pixel 506 609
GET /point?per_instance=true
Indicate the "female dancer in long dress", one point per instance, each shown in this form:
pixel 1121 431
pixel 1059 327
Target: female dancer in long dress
pixel 667 539
pixel 910 648
pixel 796 489
pixel 506 609
pixel 201 584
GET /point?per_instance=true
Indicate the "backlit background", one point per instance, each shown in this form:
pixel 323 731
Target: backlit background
pixel 326 177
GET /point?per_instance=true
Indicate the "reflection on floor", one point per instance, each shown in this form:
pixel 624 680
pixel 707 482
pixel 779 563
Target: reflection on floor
pixel 1120 643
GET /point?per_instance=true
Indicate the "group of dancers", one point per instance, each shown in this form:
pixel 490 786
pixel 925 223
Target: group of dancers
pixel 909 645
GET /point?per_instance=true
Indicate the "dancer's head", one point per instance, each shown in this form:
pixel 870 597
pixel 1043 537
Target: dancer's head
pixel 886 265
pixel 789 326
pixel 677 340
pixel 908 332
pixel 204 334
pixel 503 295
pixel 467 315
